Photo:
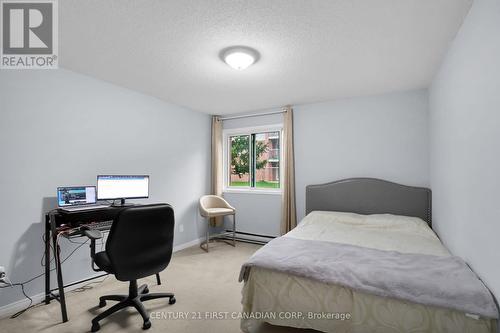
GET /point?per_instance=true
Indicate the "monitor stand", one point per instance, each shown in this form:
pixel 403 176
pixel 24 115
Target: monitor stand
pixel 122 203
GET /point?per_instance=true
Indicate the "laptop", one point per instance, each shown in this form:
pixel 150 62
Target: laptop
pixel 76 198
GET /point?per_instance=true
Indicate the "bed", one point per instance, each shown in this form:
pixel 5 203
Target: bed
pixel 367 215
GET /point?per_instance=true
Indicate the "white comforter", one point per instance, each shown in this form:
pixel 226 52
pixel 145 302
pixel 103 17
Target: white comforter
pixel 380 231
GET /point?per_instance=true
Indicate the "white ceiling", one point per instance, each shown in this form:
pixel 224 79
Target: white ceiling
pixel 311 50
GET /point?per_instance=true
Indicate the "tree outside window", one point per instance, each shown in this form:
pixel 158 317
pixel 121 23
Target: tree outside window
pixel 255 160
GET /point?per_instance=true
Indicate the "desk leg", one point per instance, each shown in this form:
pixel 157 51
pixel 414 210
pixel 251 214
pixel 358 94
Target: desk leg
pixel 158 281
pixel 60 285
pixel 47 259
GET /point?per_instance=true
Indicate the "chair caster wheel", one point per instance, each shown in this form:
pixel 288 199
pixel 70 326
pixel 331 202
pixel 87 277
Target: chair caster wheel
pixel 146 325
pixel 171 300
pixel 95 327
pixel 145 291
pixel 102 303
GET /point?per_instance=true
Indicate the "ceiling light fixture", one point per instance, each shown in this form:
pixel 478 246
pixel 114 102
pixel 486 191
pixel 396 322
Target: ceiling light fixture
pixel 239 57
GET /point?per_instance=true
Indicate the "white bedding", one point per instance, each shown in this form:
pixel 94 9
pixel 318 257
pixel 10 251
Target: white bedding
pixel 268 291
pixel 380 231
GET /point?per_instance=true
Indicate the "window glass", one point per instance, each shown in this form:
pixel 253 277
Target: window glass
pixel 267 157
pixel 239 152
pixel 254 160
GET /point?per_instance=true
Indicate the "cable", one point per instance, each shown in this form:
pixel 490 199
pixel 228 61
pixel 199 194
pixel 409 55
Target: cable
pixel 53 269
pixel 69 255
pixel 17 314
pixel 86 287
pixel 56 253
pixel 42 263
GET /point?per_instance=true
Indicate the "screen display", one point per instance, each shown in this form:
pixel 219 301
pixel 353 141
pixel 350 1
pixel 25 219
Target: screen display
pixel 122 187
pixel 76 195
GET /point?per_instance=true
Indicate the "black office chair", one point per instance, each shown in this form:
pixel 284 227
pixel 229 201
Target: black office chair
pixel 139 244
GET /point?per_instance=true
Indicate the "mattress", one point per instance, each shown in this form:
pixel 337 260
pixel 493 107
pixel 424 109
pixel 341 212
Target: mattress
pixel 281 299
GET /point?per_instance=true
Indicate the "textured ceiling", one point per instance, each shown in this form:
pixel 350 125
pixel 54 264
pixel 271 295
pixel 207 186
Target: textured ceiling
pixel 311 50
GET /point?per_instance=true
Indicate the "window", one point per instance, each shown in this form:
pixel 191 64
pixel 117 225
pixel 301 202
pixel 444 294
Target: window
pixel 253 159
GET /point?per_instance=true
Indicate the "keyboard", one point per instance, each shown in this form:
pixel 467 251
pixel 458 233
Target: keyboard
pixel 83 207
pixel 104 225
pixel 101 226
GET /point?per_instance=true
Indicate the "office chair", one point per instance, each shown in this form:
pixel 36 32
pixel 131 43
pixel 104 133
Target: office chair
pixel 139 244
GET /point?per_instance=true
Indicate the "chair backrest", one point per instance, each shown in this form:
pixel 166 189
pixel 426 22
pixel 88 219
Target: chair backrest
pixel 140 241
pixel 213 201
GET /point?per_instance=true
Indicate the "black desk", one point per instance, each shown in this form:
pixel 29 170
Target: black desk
pixel 56 222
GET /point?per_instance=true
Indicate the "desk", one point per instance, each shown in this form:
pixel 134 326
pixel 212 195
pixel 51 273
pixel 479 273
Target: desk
pixel 55 223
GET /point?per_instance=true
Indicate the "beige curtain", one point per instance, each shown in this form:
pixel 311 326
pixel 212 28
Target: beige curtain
pixel 288 212
pixel 216 162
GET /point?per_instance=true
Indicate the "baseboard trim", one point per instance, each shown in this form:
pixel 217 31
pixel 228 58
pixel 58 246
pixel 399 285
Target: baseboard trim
pixel 9 309
pixel 188 244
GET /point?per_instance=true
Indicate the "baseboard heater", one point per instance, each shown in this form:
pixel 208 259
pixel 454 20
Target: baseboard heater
pixel 248 237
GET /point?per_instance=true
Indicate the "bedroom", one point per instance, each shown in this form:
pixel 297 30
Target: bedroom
pixel 405 92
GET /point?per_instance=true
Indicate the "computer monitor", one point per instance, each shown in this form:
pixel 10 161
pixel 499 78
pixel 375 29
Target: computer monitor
pixel 76 195
pixel 112 187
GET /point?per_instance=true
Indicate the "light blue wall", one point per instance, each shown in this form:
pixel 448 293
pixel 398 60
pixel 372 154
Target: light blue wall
pixel 381 136
pixel 61 128
pixel 465 143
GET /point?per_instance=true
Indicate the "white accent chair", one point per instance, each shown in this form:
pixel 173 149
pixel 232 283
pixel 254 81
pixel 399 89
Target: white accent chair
pixel 214 206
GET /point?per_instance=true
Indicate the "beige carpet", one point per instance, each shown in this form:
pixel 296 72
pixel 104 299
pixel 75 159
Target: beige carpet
pixel 202 282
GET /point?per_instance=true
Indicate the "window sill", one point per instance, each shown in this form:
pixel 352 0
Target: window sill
pixel 248 191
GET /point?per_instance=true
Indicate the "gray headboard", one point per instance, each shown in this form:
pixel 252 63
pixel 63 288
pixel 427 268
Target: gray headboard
pixel 370 196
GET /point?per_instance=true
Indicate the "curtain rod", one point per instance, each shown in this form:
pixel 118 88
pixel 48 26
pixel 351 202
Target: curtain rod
pixel 252 115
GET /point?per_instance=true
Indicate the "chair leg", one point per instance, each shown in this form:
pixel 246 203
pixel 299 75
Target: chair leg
pixel 117 298
pixel 151 296
pixel 136 303
pixel 234 230
pixel 208 234
pixel 132 299
pixel 111 310
pixel 207 237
